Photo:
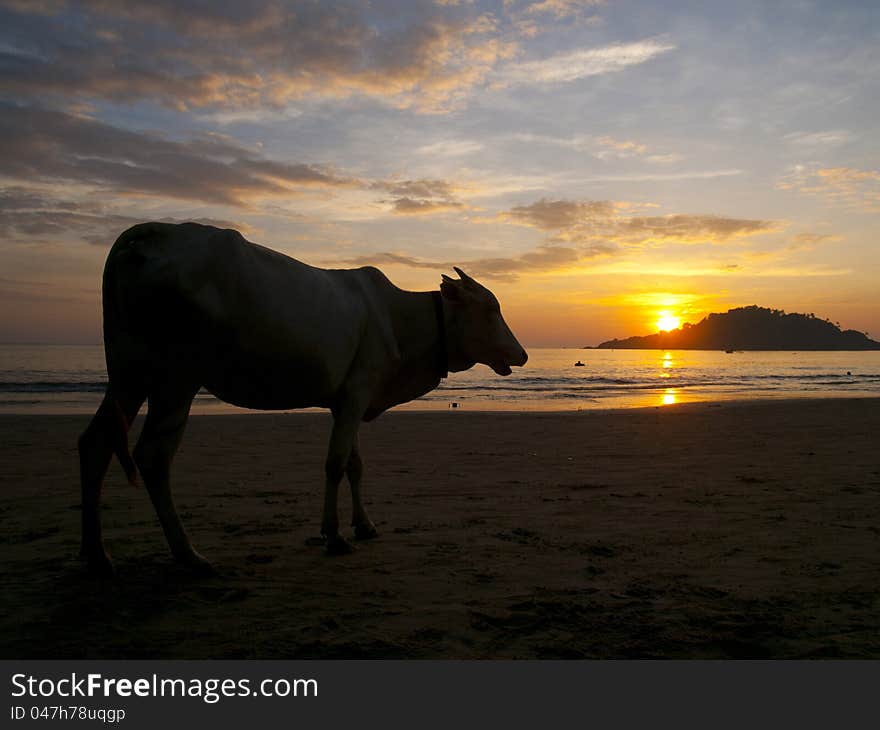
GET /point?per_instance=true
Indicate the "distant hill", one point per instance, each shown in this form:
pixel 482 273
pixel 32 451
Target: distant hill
pixel 752 328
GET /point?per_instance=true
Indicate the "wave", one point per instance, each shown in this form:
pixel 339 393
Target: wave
pixel 75 386
pixel 537 384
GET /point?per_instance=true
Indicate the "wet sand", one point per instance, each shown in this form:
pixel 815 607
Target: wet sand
pixel 735 530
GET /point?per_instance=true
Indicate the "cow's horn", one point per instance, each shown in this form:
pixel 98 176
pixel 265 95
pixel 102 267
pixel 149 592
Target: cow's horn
pixel 462 275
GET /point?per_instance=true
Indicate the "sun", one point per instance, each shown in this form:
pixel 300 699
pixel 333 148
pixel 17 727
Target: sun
pixel 667 321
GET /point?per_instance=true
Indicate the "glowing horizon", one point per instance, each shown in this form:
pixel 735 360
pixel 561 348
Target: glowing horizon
pixel 600 167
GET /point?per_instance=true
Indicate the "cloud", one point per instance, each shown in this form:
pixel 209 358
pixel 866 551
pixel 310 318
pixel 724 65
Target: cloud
pixel 799 242
pixel 667 158
pixel 451 148
pixel 603 147
pixel 810 241
pixel 580 142
pixel 42 146
pixel 559 214
pixel 34 215
pixel 542 259
pixel 849 187
pixel 538 17
pixel 693 228
pixel 414 206
pixel 420 197
pixel 424 188
pixel 574 65
pixel 847 176
pixel 38 144
pixel 378 259
pixel 667 176
pixel 562 8
pixel 187 54
pixel 623 146
pixel 828 138
pixel 593 220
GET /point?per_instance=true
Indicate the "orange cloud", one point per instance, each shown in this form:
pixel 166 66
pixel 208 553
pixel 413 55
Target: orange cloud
pixel 604 220
pixel 532 19
pixel 560 9
pixel 559 214
pixel 682 228
pixel 414 206
pixel 846 186
pixel 809 241
pixel 624 146
pixel 420 197
pixel 542 259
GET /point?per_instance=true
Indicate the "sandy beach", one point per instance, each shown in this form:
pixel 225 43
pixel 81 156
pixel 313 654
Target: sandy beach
pixel 734 530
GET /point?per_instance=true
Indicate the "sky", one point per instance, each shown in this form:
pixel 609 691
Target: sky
pixel 601 166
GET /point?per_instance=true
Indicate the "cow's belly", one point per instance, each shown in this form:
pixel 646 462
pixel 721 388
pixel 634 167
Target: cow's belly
pixel 255 328
pixel 271 384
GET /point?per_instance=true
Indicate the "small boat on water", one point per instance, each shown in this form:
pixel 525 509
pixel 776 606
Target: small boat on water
pixel 579 364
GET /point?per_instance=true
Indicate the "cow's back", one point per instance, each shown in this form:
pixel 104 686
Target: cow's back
pixel 256 327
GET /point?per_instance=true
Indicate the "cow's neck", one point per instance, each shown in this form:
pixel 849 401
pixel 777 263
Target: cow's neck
pixel 420 328
pixel 441 346
pixel 424 327
pixel 456 360
pixel 442 341
pixel 426 339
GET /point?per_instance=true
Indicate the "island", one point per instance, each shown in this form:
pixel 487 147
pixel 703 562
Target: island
pixel 751 328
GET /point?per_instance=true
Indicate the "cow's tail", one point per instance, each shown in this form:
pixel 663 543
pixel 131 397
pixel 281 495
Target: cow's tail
pixel 118 430
pixel 119 404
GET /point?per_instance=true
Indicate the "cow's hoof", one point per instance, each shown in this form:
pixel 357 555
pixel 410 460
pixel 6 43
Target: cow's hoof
pixel 197 565
pixel 99 565
pixel 339 546
pixel 365 532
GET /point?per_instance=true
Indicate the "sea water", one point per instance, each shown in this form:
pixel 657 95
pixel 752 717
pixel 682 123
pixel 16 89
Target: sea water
pixel 72 378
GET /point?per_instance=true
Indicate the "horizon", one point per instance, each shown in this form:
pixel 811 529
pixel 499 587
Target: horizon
pixel 603 167
pixel 669 330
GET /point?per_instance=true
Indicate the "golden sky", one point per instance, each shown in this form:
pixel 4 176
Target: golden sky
pixel 600 165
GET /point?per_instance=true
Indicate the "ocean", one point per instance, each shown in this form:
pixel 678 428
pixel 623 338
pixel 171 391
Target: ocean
pixel 71 379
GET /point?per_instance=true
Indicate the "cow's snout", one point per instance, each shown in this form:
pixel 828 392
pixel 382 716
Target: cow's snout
pixel 517 357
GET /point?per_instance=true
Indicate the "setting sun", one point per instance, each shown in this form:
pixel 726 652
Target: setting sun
pixel 667 321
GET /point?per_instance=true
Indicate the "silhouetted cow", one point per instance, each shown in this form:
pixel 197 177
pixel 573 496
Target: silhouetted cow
pixel 190 306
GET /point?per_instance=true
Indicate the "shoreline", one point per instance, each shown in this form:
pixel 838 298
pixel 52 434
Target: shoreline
pixel 750 530
pixel 413 407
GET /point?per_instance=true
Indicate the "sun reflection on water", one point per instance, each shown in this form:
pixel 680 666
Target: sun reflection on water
pixel 669 397
pixel 667 364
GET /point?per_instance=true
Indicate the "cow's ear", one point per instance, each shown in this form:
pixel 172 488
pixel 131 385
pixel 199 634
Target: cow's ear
pixel 450 288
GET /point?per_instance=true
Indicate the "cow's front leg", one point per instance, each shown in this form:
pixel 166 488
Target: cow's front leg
pixel 342 439
pixel 364 529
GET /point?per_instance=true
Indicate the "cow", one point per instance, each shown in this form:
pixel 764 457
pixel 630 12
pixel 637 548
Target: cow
pixel 189 306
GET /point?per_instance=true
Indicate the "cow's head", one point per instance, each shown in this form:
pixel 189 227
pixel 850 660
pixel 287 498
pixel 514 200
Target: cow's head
pixel 478 332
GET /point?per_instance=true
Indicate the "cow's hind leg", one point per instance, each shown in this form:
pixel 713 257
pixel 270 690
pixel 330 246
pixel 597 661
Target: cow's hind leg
pixel 163 430
pixel 346 421
pixel 364 529
pixel 95 446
